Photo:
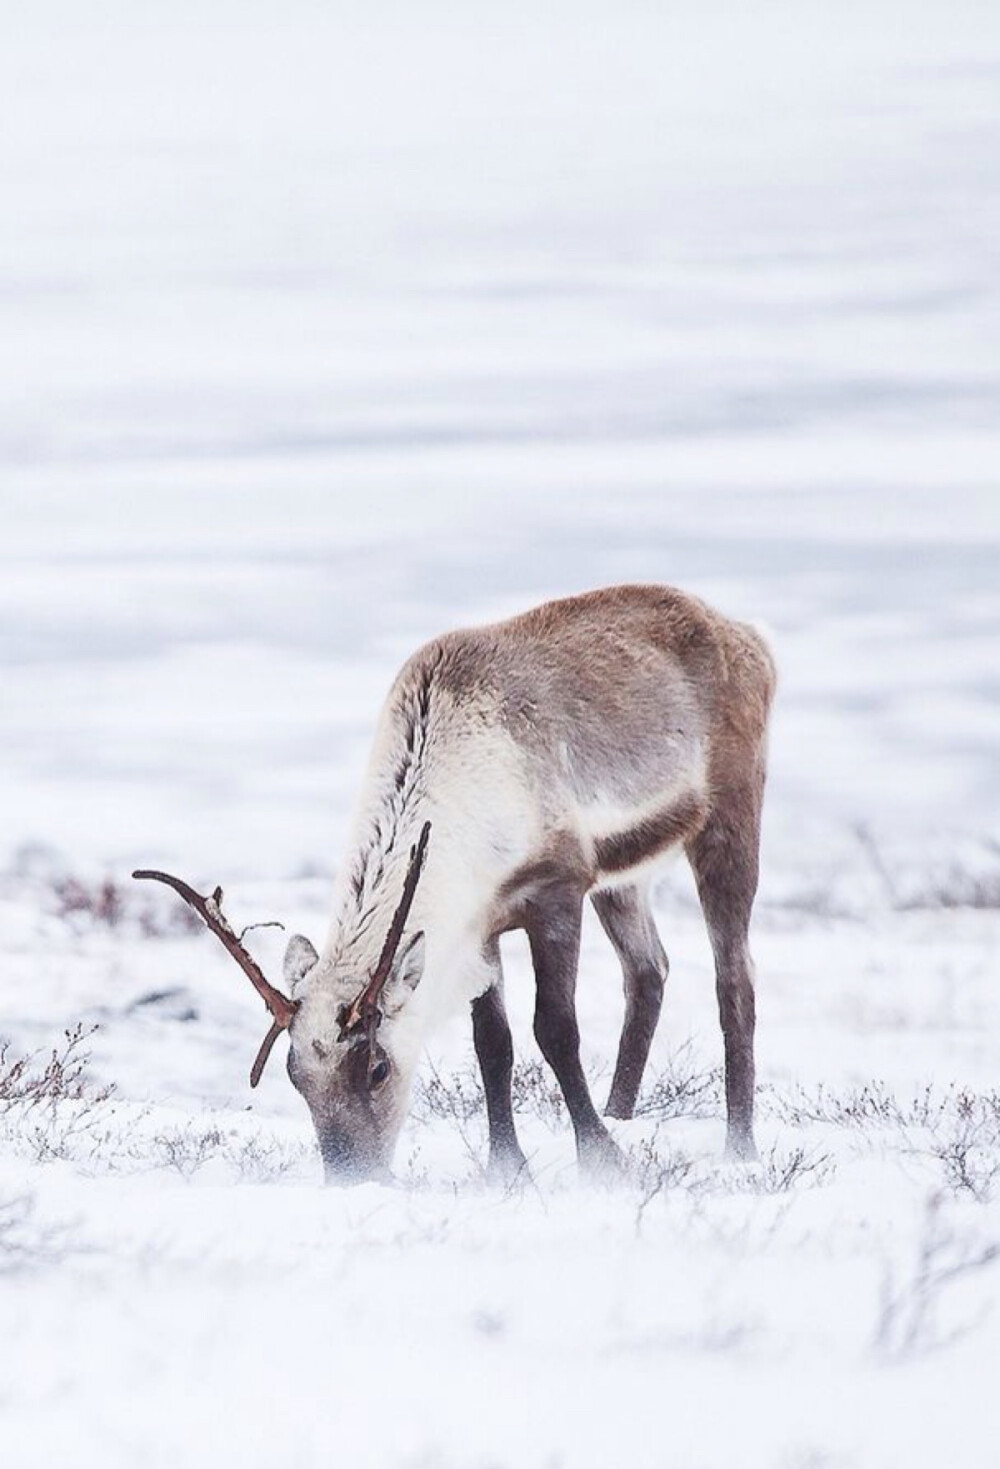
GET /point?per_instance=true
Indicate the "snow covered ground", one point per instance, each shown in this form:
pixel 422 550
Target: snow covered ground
pixel 324 328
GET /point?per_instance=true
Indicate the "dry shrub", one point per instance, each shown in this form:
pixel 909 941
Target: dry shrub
pixel 913 1293
pixel 36 1080
pixel 48 1100
pixel 25 1241
pixel 683 1089
pixel 113 905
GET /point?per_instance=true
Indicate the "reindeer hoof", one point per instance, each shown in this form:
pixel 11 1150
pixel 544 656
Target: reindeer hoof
pixel 741 1148
pixel 506 1168
pixel 601 1160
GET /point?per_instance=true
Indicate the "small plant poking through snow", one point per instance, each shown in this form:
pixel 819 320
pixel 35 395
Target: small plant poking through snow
pixel 536 1093
pixel 970 1160
pixel 913 1295
pixel 51 1108
pixel 957 1127
pixel 458 1097
pixel 778 1172
pixel 49 1101
pixel 25 1242
pixel 28 1082
pixel 875 1103
pixel 683 1089
pixel 254 1158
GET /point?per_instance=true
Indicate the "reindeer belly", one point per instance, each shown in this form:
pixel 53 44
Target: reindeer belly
pixel 636 839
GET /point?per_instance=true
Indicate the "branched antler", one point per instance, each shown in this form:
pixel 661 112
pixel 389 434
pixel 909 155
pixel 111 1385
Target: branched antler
pixel 210 911
pixel 362 1015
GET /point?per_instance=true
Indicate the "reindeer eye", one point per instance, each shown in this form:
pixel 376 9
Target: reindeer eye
pixel 378 1075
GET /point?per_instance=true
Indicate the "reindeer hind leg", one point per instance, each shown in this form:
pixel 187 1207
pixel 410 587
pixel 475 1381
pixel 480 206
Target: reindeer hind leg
pixel 724 856
pixel 627 920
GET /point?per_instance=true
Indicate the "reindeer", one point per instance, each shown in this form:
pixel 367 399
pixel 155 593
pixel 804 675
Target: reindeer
pixel 518 769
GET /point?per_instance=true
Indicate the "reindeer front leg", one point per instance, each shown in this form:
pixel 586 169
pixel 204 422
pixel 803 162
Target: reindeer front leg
pixel 495 1051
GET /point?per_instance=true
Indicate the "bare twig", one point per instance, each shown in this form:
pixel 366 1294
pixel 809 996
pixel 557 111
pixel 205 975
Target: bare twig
pixel 870 847
pixel 907 1323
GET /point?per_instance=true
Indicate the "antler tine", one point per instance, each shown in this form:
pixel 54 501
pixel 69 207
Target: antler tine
pixel 266 1046
pixel 366 1002
pixel 210 911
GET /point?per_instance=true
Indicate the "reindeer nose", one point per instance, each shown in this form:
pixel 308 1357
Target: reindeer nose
pixel 346 1163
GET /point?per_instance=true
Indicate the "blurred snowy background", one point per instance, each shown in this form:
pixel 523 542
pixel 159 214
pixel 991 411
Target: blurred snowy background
pixel 326 327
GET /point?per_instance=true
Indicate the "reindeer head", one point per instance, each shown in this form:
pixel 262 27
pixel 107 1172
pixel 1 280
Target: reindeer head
pixel 352 1056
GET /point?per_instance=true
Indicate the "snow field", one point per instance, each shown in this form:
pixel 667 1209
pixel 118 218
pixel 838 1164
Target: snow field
pixel 326 330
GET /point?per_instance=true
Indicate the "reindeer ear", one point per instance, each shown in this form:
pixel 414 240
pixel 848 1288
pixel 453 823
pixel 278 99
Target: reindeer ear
pixel 300 957
pixel 407 972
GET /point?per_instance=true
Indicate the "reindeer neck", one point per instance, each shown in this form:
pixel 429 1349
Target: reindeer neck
pixel 370 890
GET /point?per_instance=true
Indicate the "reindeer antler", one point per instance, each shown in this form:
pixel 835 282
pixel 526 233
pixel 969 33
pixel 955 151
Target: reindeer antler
pixel 210 911
pixel 364 1011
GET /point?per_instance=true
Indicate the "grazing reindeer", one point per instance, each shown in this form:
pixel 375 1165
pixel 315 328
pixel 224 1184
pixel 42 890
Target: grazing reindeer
pixel 516 769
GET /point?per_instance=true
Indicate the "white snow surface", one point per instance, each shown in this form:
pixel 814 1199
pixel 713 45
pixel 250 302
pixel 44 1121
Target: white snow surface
pixel 326 327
